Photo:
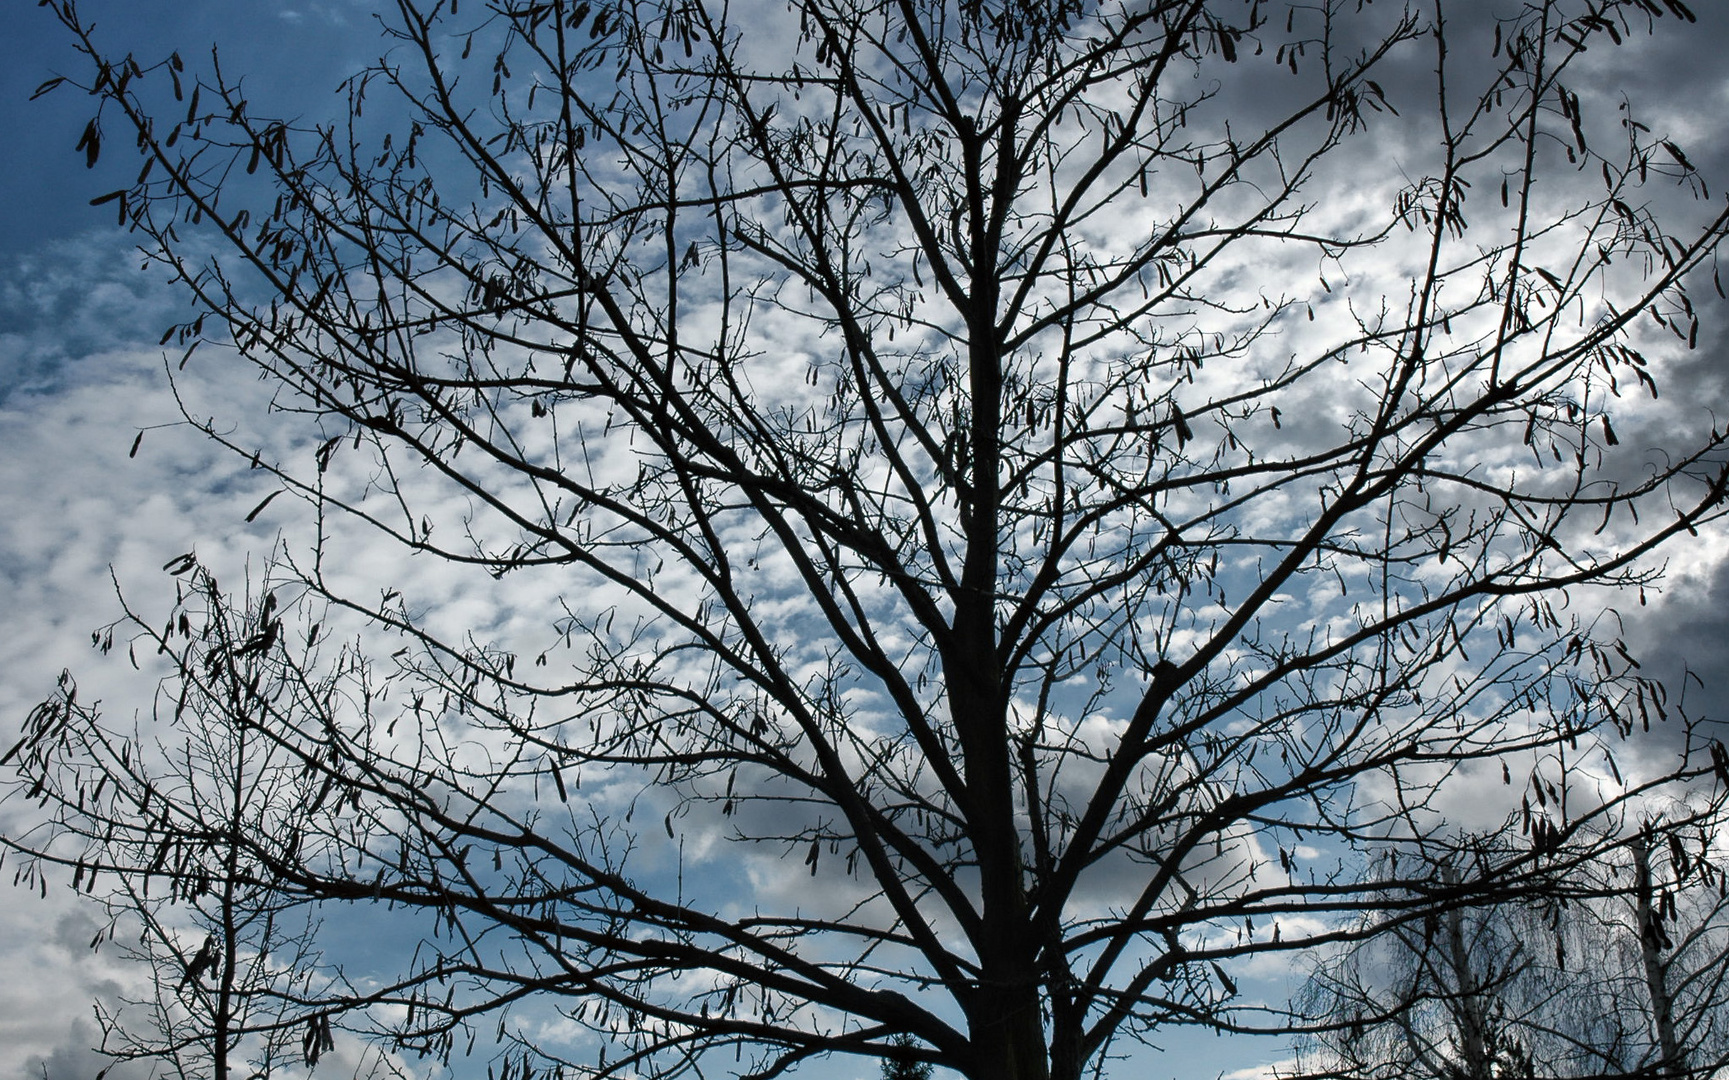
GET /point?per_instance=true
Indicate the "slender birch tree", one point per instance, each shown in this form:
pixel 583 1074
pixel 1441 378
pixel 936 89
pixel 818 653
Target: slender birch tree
pixel 1620 971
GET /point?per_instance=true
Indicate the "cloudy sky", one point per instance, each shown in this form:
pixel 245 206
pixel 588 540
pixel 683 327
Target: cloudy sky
pixel 81 376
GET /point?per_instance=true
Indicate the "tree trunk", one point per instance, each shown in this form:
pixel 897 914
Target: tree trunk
pixel 1008 1033
pixel 1006 1019
pixel 1651 939
pixel 1470 1010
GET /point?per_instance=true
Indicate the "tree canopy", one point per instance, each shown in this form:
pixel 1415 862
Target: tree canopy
pixel 1020 506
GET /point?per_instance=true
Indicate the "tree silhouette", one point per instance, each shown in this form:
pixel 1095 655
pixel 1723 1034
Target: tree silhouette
pixel 1015 501
pixel 905 1066
pixel 163 829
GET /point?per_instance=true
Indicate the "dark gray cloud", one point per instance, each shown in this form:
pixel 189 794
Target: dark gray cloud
pixel 1683 640
pixel 77 1059
pixel 70 300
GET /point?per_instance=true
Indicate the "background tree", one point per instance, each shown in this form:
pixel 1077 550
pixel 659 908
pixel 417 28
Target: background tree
pixel 168 822
pixel 1008 460
pixel 1621 969
pixel 906 1066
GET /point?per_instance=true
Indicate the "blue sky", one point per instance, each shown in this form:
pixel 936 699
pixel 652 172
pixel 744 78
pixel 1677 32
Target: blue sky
pixel 80 377
pixel 297 53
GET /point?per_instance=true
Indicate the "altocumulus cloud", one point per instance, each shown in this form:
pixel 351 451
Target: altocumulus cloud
pixel 80 377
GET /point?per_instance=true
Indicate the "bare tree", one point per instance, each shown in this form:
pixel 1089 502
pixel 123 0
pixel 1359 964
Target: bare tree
pixel 1008 459
pixel 1679 927
pixel 169 823
pixel 1619 970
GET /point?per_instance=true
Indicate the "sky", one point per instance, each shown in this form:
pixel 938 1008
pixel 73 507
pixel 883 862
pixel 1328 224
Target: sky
pixel 81 376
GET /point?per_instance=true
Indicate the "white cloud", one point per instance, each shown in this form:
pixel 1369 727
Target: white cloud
pixel 77 505
pixel 46 1016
